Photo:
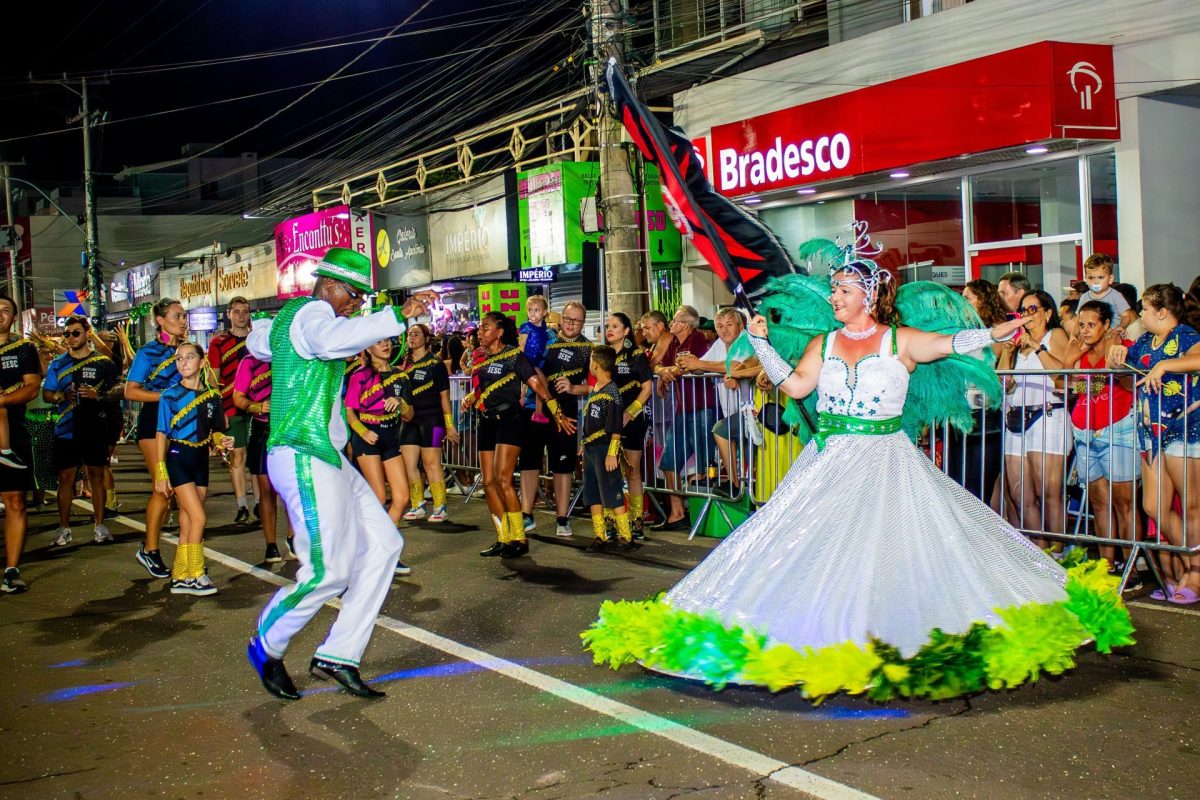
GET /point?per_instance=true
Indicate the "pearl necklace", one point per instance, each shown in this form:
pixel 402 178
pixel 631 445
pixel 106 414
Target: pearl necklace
pixel 857 335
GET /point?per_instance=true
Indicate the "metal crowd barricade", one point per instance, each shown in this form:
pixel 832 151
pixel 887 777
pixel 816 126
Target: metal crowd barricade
pixel 1086 496
pixel 463 456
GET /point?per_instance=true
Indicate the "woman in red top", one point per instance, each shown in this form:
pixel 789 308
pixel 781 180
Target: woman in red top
pixel 1103 425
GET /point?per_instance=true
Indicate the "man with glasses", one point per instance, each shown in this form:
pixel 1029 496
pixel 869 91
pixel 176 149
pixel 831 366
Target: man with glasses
pixel 20 374
pixel 566 371
pixel 78 382
pixel 344 540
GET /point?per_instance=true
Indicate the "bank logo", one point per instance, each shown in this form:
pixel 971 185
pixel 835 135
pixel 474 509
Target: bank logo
pixel 1086 82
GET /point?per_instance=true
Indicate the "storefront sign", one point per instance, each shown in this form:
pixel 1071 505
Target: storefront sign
pixel 197 286
pixel 1042 91
pixel 68 303
pixel 538 275
pixel 506 298
pixel 203 319
pixel 300 243
pixel 40 320
pixel 133 286
pixel 401 251
pixel 549 209
pixel 471 241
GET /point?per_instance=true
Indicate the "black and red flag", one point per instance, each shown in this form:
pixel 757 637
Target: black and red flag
pixel 741 250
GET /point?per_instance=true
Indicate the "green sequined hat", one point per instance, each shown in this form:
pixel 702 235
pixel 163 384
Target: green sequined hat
pixel 347 266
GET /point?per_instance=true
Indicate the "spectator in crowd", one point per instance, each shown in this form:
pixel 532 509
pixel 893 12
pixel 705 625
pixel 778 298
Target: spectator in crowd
pixel 21 373
pixel 453 349
pixel 635 382
pixel 1037 435
pixel 1066 316
pixel 109 344
pixel 1011 288
pixel 78 382
pixel 655 336
pixel 984 298
pixel 535 337
pixel 565 370
pixel 1105 438
pixel 225 352
pixel 691 408
pixel 734 390
pixel 39 423
pixel 1098 272
pixel 1134 329
pixel 1074 290
pixel 1168 355
pixel 708 328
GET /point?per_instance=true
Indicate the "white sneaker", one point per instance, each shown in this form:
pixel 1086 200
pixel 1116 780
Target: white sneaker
pixel 102 535
pixel 415 513
pixel 563 531
pixel 438 514
pixel 64 537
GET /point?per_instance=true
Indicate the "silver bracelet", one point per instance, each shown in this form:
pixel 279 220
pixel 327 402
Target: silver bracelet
pixel 972 340
pixel 773 364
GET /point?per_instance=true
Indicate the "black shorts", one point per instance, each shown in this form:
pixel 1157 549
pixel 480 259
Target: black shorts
pixel 503 429
pixel 18 480
pixel 423 433
pixel 86 451
pixel 114 424
pixel 187 464
pixel 147 424
pixel 633 437
pixel 256 447
pixel 601 487
pixel 562 449
pixel 387 446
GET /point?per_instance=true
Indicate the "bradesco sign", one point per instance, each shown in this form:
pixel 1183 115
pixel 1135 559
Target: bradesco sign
pixel 1035 93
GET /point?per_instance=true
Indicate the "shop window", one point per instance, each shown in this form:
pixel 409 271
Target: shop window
pixel 1026 202
pixel 795 225
pixel 1102 182
pixel 919 226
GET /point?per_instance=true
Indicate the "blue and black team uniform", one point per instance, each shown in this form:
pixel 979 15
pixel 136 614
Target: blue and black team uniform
pixel 81 432
pixel 189 418
pixel 153 369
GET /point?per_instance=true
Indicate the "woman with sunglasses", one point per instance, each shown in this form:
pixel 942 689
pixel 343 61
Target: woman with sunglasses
pixel 1037 426
pixel 152 373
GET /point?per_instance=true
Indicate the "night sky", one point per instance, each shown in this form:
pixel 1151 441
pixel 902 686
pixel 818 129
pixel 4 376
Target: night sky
pixel 125 37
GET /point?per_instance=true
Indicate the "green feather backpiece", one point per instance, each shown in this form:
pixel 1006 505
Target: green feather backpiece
pixel 937 391
pixel 1031 640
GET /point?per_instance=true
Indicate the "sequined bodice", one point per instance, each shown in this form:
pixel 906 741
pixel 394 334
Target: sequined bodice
pixel 874 388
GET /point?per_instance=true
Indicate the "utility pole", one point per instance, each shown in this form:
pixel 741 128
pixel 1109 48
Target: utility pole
pixel 14 290
pixel 624 274
pixel 91 247
pixel 93 274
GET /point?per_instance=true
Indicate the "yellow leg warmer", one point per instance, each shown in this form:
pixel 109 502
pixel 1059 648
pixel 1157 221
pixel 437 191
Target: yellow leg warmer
pixel 181 568
pixel 416 493
pixel 196 562
pixel 501 529
pixel 635 505
pixel 623 531
pixel 516 526
pixel 598 526
pixel 438 491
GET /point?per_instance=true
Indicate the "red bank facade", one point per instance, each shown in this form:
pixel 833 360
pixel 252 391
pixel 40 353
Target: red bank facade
pixel 1005 161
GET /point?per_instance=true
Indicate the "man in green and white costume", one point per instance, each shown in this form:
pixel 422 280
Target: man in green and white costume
pixel 345 542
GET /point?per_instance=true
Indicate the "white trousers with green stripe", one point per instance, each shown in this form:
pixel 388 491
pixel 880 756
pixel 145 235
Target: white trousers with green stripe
pixel 345 542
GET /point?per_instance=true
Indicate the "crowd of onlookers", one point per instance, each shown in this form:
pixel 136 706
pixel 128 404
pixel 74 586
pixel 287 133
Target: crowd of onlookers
pixel 690 422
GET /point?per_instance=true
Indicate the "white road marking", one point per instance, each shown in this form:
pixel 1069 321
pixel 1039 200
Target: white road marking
pixel 752 761
pixel 1170 609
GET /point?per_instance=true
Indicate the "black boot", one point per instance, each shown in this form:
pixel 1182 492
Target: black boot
pixel 515 549
pixel 271 672
pixel 344 674
pixel 496 549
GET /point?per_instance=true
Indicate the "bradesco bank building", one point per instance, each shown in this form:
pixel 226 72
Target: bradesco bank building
pixel 1000 163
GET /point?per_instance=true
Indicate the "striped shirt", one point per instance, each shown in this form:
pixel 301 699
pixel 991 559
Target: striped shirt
pixel 225 352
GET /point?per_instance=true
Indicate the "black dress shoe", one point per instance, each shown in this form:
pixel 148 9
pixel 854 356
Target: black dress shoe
pixel 496 549
pixel 597 545
pixel 515 549
pixel 680 524
pixel 346 675
pixel 271 672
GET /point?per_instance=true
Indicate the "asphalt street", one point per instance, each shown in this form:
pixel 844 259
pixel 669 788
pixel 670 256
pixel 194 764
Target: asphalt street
pixel 117 689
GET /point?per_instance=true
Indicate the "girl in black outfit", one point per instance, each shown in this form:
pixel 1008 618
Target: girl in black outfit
pixel 498 399
pixel 635 381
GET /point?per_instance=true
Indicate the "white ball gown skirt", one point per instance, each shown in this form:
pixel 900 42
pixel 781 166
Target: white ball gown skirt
pixel 866 543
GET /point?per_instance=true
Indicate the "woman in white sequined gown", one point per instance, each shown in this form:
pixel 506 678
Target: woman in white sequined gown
pixel 865 539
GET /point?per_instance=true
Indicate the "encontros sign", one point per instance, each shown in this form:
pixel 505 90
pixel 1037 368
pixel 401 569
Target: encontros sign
pixel 1048 90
